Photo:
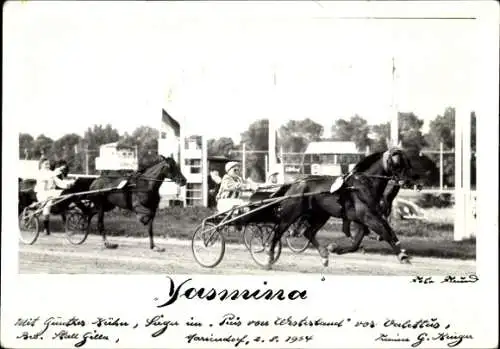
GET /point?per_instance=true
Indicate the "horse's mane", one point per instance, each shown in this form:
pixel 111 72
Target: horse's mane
pixel 158 160
pixel 367 162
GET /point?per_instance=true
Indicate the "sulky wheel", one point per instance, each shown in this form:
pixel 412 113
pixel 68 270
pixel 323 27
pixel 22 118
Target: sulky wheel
pixel 295 238
pixel 29 226
pixel 77 227
pixel 260 243
pixel 208 245
pixel 248 231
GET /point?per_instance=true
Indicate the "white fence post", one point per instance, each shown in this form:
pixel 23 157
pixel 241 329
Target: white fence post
pixel 204 170
pixel 466 172
pixel 464 220
pixel 459 227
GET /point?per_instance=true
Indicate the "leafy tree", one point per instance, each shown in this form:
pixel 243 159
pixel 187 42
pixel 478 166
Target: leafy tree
pixel 380 136
pixel 410 132
pixel 356 130
pixel 42 145
pixel 295 135
pixel 147 144
pixel 67 148
pixel 256 137
pixel 26 146
pixel 442 129
pixel 98 135
pixel 220 147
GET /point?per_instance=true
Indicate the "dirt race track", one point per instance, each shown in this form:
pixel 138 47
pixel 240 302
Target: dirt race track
pixel 54 254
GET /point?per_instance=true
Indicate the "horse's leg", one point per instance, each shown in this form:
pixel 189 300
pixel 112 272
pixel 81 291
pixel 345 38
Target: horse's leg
pixel 346 228
pixel 151 241
pixel 315 224
pixel 356 239
pixel 100 226
pixel 380 226
pixel 279 229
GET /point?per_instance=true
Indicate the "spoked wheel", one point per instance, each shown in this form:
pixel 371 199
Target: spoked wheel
pixel 208 245
pixel 77 227
pixel 295 238
pixel 248 232
pixel 29 226
pixel 260 244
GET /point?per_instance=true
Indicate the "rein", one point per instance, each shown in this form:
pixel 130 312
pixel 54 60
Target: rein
pixel 138 176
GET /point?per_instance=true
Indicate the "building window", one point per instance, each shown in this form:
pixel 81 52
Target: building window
pixel 192 162
pixel 194 165
pixel 192 143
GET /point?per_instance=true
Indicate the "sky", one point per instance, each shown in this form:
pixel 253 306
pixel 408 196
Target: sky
pixel 212 66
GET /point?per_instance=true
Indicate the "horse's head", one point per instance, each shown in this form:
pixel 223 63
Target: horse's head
pixel 397 163
pixel 172 171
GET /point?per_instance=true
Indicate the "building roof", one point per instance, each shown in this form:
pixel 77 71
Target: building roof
pixel 110 145
pixel 218 158
pixel 331 147
pixel 169 120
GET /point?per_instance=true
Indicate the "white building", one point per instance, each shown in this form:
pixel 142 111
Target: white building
pixel 169 146
pixel 112 158
pixel 169 142
pixel 192 154
pixel 329 157
pixel 28 169
pixel 188 152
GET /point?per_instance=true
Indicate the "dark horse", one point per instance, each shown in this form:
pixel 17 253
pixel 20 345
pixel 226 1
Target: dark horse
pixel 358 200
pixel 140 195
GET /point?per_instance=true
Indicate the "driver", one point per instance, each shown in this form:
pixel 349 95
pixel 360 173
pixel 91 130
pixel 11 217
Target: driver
pixel 230 188
pixel 46 188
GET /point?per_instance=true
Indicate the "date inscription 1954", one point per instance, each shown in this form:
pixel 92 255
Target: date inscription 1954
pixel 426 280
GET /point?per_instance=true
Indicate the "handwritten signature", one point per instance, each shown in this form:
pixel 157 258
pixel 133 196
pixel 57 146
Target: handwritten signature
pixel 426 280
pixel 451 340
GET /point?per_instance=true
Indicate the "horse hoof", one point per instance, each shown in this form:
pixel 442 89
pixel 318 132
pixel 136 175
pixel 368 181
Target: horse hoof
pixel 110 245
pixel 362 250
pixel 404 258
pixel 158 249
pixel 324 261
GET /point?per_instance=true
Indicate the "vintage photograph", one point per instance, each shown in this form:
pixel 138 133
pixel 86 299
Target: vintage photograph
pixel 175 142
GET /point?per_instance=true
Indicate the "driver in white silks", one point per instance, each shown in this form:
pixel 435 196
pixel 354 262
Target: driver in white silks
pixel 48 187
pixel 229 195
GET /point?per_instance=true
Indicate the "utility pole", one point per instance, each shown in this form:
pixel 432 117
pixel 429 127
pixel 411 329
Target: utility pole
pixel 86 160
pixel 394 109
pixel 441 162
pixel 272 129
pixel 244 161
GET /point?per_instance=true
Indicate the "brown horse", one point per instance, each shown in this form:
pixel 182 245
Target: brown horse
pixel 139 195
pixel 358 200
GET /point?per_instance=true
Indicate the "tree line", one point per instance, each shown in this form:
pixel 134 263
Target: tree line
pixel 292 137
pixel 295 135
pixel 81 151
